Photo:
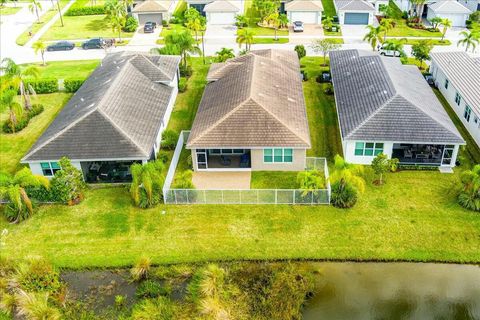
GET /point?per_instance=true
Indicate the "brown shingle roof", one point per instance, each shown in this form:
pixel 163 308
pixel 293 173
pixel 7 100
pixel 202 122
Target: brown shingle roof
pixel 153 6
pixel 255 100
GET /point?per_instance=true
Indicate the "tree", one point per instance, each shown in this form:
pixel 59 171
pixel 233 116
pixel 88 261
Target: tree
pixel 15 78
pixel 34 6
pixel 68 185
pixel 380 165
pixel 310 181
pixel 15 110
pixel 446 23
pixel 245 36
pixel 40 46
pixel 435 21
pixel 419 5
pixel 327 23
pixel 421 51
pixel 224 54
pixel 386 24
pixel 12 188
pixel 350 173
pixel 241 21
pixel 265 7
pixel 469 39
pixel 469 196
pixel 117 14
pixel 324 46
pixel 197 24
pixel 147 182
pixel 395 45
pixel 180 43
pixel 373 35
pixel 191 14
pixel 273 21
pixel 300 50
pixel 283 19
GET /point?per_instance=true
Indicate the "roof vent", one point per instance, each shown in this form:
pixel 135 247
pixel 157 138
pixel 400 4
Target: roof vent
pixel 385 92
pixel 81 99
pixel 290 99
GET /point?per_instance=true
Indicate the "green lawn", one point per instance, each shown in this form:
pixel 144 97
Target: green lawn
pixel 435 42
pixel 82 27
pixel 5 11
pixel 66 69
pixel 47 16
pixel 269 40
pixel 332 33
pixel 329 8
pixel 260 31
pixel 336 40
pixel 274 180
pixel 402 30
pixel 14 146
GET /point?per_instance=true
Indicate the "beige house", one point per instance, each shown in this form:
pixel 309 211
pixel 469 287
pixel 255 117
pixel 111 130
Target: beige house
pixel 252 115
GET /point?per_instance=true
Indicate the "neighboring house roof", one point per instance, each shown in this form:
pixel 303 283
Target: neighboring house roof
pixel 353 5
pixel 449 6
pixel 222 6
pixel 255 100
pixel 304 5
pixel 153 6
pixel 463 72
pixel 117 113
pixel 379 99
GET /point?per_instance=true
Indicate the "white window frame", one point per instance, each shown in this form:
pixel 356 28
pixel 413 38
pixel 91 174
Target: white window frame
pixel 273 156
pixel 458 98
pixel 50 167
pixel 467 113
pixel 375 147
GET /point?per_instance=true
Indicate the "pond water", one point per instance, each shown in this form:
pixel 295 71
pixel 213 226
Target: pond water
pixel 395 291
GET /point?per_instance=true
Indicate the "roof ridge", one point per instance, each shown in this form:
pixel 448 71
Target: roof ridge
pixel 153 64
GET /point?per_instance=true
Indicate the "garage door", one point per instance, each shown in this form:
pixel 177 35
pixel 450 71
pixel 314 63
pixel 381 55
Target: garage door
pixel 458 20
pixel 221 18
pixel 356 18
pixel 305 17
pixel 153 17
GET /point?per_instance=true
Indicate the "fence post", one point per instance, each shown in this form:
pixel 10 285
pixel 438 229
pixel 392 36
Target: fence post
pixel 186 194
pixel 175 193
pixel 294 196
pixel 276 196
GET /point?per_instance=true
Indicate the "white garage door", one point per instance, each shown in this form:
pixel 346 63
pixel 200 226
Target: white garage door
pixel 221 18
pixel 458 20
pixel 152 17
pixel 304 16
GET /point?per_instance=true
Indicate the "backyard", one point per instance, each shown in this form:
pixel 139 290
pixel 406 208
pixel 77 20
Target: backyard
pixel 66 69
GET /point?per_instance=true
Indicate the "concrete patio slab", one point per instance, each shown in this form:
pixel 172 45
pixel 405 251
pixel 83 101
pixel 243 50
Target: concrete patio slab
pixel 215 180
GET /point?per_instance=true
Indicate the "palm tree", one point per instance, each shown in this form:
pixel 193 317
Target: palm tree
pixel 147 179
pixel 348 173
pixel 184 44
pixel 40 46
pixel 273 21
pixel 7 100
pixel 195 25
pixel 373 35
pixel 446 23
pixel 469 39
pixel 13 189
pixel 116 12
pixel 224 54
pixel 387 24
pixel 327 23
pixel 34 6
pixel 419 4
pixel 16 78
pixel 283 19
pixel 469 196
pixel 395 45
pixel 245 36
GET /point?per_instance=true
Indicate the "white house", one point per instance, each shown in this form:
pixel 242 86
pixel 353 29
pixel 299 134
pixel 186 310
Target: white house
pixel 451 10
pixel 153 11
pixel 386 107
pixel 358 12
pixel 218 12
pixel 116 118
pixel 457 76
pixel 307 11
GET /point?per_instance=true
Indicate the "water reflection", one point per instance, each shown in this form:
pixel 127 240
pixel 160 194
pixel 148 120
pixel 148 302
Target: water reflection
pixel 395 291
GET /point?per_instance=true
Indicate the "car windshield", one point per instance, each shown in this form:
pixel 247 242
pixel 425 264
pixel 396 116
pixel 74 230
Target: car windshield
pixel 297 23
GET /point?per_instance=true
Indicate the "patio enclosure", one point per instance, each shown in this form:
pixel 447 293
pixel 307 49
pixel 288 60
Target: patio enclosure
pixel 423 154
pixel 223 159
pixel 107 171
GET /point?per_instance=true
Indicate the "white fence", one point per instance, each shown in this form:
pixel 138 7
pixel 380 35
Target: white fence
pixel 248 196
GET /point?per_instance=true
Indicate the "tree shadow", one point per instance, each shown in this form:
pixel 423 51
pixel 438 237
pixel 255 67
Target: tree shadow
pixel 98 24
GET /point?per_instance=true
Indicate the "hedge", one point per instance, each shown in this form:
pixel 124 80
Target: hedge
pixel 73 84
pixel 45 85
pixel 23 122
pixel 85 11
pixel 417 167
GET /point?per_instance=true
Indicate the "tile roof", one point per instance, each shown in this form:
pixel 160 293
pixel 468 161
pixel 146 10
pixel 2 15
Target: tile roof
pixel 380 99
pixel 353 5
pixel 304 5
pixel 255 100
pixel 223 6
pixel 449 6
pixel 153 6
pixel 117 112
pixel 463 72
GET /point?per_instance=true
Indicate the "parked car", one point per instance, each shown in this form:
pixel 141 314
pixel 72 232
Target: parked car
pixel 389 53
pixel 429 79
pixel 61 46
pixel 298 26
pixel 95 43
pixel 149 27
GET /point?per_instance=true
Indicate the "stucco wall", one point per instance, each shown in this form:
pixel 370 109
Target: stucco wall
pixel 36 168
pixel 349 152
pixel 168 113
pixel 298 164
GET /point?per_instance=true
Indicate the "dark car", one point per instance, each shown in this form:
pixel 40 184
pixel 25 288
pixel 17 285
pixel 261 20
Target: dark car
pixel 149 27
pixel 95 43
pixel 61 46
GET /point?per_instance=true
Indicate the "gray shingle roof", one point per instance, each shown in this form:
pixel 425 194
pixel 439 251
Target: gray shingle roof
pixel 463 72
pixel 117 112
pixel 255 100
pixel 449 6
pixel 380 99
pixel 353 5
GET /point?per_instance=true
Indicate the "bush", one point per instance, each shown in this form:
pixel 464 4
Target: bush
pixel 186 71
pixel 47 85
pixel 85 11
pixel 40 194
pixel 67 185
pixel 151 289
pixel 304 75
pixel 417 167
pixel 38 275
pixel 169 139
pixel 343 195
pixel 163 156
pixel 36 110
pixel 328 89
pixel 300 50
pixel 23 122
pixel 164 23
pixel 182 84
pixel 131 25
pixel 141 269
pixel 73 84
pixel 159 308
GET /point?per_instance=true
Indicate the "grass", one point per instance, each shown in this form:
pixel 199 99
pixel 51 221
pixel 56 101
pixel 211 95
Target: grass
pixel 435 42
pixel 14 146
pixel 5 11
pixel 47 16
pixel 261 31
pixel 336 40
pixel 402 30
pixel 333 33
pixel 329 8
pixel 82 27
pixel 409 60
pixel 269 40
pixel 274 180
pixel 66 69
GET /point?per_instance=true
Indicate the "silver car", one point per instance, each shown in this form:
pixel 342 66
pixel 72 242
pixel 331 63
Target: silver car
pixel 298 26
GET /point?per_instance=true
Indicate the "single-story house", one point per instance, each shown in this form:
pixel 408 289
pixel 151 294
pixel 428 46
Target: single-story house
pixel 386 107
pixel 307 11
pixel 116 118
pixel 357 12
pixel 451 10
pixel 252 115
pixel 410 7
pixel 222 12
pixel 457 76
pixel 153 10
pixel 198 4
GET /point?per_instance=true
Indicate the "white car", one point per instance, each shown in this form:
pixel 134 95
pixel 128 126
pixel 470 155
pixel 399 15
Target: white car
pixel 388 53
pixel 298 26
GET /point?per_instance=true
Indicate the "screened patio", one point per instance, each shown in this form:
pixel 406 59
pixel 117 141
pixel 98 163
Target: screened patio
pixel 234 159
pixel 423 154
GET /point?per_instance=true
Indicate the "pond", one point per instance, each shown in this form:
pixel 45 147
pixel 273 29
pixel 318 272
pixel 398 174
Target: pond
pixel 394 291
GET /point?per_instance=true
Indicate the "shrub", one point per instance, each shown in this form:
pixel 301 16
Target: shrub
pixel 151 289
pixel 85 11
pixel 163 156
pixel 73 84
pixel 304 75
pixel 67 185
pixel 469 196
pixel 22 122
pixel 150 309
pixel 36 110
pixel 328 89
pixel 40 194
pixel 300 50
pixel 35 306
pixel 164 23
pixel 38 275
pixel 344 195
pixel 120 301
pixel 182 84
pixel 131 25
pixel 141 269
pixel 169 139
pixel 186 71
pixel 47 85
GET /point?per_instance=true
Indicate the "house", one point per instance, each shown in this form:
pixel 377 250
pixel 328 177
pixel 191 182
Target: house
pixel 116 118
pixel 358 12
pixel 153 10
pixel 386 107
pixel 451 10
pixel 307 11
pixel 457 76
pixel 252 115
pixel 218 12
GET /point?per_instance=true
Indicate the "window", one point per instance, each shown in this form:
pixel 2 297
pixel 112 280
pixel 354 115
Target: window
pixel 278 155
pixel 458 98
pixel 49 168
pixel 226 151
pixel 467 113
pixel 446 83
pixel 368 148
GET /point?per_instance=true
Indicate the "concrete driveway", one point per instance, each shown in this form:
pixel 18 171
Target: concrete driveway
pixel 310 32
pixel 145 40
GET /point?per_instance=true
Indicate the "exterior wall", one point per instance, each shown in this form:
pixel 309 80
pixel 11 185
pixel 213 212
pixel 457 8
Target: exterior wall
pixel 458 19
pixel 292 14
pixel 341 16
pixel 473 126
pixel 36 168
pixel 349 152
pixel 298 164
